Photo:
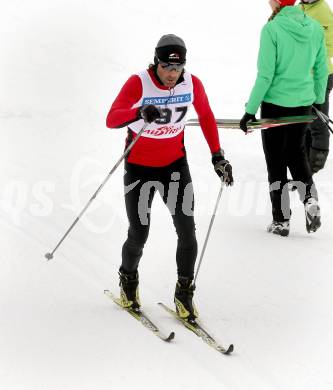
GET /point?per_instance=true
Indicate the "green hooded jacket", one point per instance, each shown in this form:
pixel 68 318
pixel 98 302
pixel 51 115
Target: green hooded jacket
pixel 321 12
pixel 292 62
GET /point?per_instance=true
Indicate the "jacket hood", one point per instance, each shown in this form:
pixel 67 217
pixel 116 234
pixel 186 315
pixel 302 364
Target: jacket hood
pixel 295 22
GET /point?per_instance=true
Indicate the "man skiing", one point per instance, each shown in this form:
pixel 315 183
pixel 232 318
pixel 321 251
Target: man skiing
pixel 317 136
pixel 158 98
pixel 292 75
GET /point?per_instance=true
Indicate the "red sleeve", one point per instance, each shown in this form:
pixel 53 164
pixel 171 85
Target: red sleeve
pixel 121 112
pixel 205 115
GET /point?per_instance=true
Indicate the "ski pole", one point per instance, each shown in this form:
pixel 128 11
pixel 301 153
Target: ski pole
pixel 209 230
pixel 324 118
pixel 49 255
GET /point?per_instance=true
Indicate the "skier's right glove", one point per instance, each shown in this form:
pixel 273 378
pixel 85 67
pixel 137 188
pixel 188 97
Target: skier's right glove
pixel 246 118
pixel 150 113
pixel 223 168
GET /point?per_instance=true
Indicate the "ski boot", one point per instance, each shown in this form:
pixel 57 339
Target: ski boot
pixel 129 290
pixel 183 299
pixel 280 228
pixel 312 215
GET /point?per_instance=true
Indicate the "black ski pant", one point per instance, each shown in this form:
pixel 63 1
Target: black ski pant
pixel 174 184
pixel 284 148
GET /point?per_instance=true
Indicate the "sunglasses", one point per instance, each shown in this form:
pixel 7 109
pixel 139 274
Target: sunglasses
pixel 170 66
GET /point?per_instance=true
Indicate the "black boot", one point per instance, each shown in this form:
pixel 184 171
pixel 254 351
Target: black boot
pixel 280 228
pixel 129 290
pixel 184 299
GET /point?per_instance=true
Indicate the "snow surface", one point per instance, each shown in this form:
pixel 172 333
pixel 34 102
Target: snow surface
pixel 62 64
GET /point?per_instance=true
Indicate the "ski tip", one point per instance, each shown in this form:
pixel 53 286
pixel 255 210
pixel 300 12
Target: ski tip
pixel 229 350
pixel 170 337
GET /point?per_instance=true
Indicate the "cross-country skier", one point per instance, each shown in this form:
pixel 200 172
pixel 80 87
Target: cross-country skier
pixel 292 75
pixel 317 136
pixel 160 97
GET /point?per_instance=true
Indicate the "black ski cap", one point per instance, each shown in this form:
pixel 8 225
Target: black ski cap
pixel 171 48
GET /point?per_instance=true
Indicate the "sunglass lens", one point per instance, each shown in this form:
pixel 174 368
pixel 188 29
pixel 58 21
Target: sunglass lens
pixel 168 66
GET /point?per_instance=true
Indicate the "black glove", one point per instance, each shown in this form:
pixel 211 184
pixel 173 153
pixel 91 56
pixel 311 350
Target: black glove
pixel 317 159
pixel 246 118
pixel 318 106
pixel 223 168
pixel 150 113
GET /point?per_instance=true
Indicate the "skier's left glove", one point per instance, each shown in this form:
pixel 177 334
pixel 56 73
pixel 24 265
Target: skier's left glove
pixel 246 118
pixel 222 167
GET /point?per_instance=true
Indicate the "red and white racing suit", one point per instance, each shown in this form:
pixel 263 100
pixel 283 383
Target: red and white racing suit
pixel 158 161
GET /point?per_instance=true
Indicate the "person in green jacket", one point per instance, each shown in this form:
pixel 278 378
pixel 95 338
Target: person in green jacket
pixel 292 75
pixel 317 136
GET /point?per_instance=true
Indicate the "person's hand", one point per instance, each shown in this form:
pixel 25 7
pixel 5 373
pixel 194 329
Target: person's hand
pixel 246 118
pixel 223 168
pixel 318 106
pixel 150 113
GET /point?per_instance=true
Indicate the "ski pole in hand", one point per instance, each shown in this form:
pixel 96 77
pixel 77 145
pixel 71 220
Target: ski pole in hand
pixel 209 230
pixel 49 255
pixel 324 118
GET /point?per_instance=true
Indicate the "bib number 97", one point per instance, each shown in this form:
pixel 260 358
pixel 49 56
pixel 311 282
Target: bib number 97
pixel 166 115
